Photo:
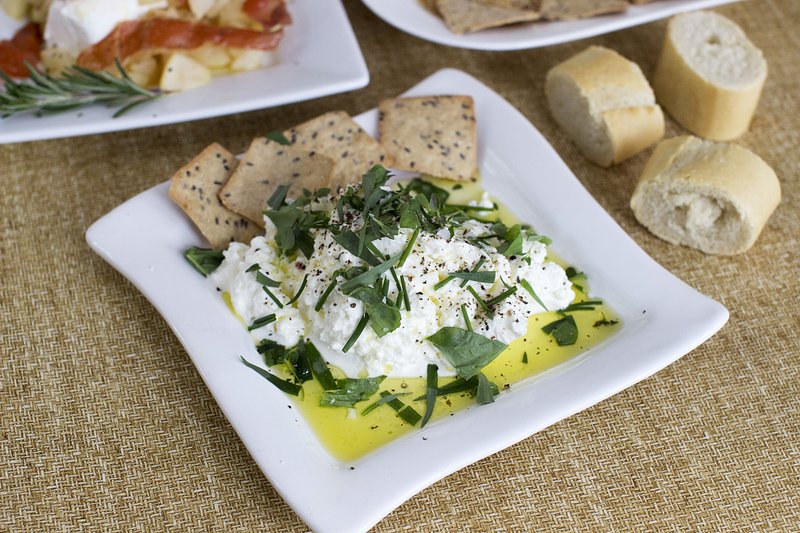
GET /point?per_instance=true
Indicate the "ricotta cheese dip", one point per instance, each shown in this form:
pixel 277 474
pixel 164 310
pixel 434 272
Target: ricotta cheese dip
pixel 329 317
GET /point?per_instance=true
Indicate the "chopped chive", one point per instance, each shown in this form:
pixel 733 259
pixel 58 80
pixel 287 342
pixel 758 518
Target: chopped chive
pixel 356 333
pixel 443 282
pixel 486 276
pixel 299 291
pixel 586 305
pixel 457 385
pixel 406 412
pixel 406 300
pixel 466 317
pixel 382 400
pixel 286 386
pixel 325 295
pixel 525 358
pixel 253 267
pixel 372 248
pixel 274 298
pixel 502 296
pixel 480 262
pixel 527 286
pixel 408 247
pixel 320 368
pixel 262 321
pixel 430 392
pixel 481 303
pixel 264 280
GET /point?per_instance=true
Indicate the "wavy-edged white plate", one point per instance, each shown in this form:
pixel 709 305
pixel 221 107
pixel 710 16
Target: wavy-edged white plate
pixel 412 17
pixel 319 56
pixel 663 319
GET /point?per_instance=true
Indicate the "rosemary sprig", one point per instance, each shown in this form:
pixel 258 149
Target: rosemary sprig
pixel 77 87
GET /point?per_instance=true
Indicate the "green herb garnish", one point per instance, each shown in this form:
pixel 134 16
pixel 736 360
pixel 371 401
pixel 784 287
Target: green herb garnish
pixel 605 322
pixel 585 305
pixel 527 286
pixel 76 87
pixel 356 333
pixel 564 331
pixel 278 137
pixel 370 276
pixel 466 317
pixel 430 392
pixel 299 291
pixel 286 386
pixel 262 321
pixel 263 279
pixel 502 296
pixel 319 367
pixel 485 276
pixel 204 260
pixel 350 391
pixel 467 351
pixel 524 358
pixel 481 303
pixel 383 318
pixel 405 412
pixel 324 297
pixel 273 353
pixel 382 400
pixel 272 296
pixel 407 249
pixel 486 390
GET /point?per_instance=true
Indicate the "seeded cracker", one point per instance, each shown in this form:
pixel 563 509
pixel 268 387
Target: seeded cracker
pixel 465 16
pixel 435 135
pixel 265 166
pixel 337 136
pixel 579 9
pixel 195 188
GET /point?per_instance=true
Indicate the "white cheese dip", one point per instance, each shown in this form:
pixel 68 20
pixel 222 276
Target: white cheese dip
pixel 404 352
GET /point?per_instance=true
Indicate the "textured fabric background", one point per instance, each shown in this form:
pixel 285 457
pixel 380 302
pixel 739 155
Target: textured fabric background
pixel 106 425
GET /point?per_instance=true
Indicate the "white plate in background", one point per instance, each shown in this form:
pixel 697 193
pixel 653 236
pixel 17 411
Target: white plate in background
pixel 662 319
pixel 319 56
pixel 412 17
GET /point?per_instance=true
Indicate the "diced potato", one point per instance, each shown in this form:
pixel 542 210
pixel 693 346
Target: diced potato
pixel 17 9
pixel 182 72
pixel 199 8
pixel 249 59
pixel 143 70
pixel 214 57
pixel 55 60
pixel 232 15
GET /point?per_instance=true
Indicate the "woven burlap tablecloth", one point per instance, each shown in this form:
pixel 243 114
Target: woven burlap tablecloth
pixel 106 425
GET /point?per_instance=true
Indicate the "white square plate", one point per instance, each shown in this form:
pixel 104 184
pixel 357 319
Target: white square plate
pixel 663 319
pixel 318 56
pixel 412 17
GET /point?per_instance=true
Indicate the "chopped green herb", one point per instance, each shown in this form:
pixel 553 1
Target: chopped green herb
pixel 405 412
pixel 266 281
pixel 480 262
pixel 278 137
pixel 502 296
pixel 325 295
pixel 430 392
pixel 466 317
pixel 514 239
pixel 467 351
pixel 319 367
pixel 253 267
pixel 350 391
pixel 204 260
pixel 406 299
pixel 524 358
pixel 564 331
pixel 383 318
pixel 407 249
pixel 486 390
pixel 278 198
pixel 481 303
pixel 370 276
pixel 605 322
pixel 479 277
pixel 356 333
pixel 273 353
pixel 585 305
pixel 299 291
pixel 382 400
pixel 349 241
pixel 262 321
pixel 286 386
pixel 272 296
pixel 298 361
pixel 527 286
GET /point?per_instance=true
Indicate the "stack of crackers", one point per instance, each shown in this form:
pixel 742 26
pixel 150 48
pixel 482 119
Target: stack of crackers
pixel 226 197
pixel 467 16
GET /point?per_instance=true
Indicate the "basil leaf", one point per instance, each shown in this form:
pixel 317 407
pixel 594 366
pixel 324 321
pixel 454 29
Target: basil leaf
pixel 278 137
pixel 486 390
pixel 350 392
pixel 204 260
pixel 320 367
pixel 467 351
pixel 286 386
pixel 564 331
pixel 383 318
pixel 370 276
pixel 430 393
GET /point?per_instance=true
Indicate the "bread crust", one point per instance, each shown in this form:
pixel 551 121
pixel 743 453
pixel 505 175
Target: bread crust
pixel 699 105
pixel 715 197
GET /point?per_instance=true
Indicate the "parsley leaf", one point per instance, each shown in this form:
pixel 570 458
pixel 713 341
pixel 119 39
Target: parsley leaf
pixel 467 351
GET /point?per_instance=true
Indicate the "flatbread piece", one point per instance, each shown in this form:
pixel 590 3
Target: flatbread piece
pixel 195 188
pixel 466 16
pixel 336 135
pixel 264 166
pixel 580 9
pixel 435 135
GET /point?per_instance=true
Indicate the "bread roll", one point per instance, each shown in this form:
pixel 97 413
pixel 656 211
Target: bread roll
pixel 715 197
pixel 709 75
pixel 605 104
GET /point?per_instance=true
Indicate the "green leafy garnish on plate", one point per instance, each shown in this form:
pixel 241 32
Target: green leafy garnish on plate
pixel 204 260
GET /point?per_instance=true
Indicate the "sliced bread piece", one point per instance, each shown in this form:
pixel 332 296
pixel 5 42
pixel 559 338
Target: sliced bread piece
pixel 605 105
pixel 715 197
pixel 709 76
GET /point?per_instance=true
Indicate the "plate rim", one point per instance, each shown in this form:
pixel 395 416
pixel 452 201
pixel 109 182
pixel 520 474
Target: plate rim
pixel 371 509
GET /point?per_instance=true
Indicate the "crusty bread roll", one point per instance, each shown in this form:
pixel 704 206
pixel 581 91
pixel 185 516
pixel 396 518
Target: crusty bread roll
pixel 605 104
pixel 709 75
pixel 715 197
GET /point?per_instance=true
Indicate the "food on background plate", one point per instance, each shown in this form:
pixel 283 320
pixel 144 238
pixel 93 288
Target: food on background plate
pixel 174 45
pixel 716 197
pixel 467 16
pixel 709 76
pixel 605 105
pixel 384 306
